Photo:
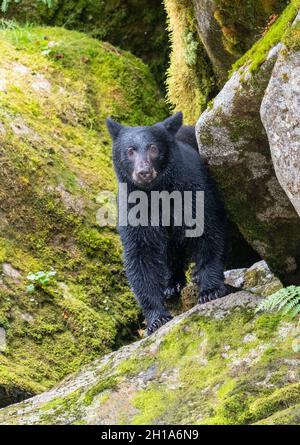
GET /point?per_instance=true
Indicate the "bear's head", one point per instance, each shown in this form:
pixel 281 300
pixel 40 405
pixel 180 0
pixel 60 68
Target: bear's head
pixel 141 154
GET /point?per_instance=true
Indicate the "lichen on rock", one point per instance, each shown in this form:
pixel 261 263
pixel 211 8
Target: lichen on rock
pixel 57 88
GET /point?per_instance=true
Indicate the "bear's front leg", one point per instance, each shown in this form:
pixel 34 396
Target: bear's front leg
pixel 147 272
pixel 177 279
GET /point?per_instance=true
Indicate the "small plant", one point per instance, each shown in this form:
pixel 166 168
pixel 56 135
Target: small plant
pixel 286 300
pixel 8 24
pixel 40 279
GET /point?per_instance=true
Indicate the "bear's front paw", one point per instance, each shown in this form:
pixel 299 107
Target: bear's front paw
pixel 159 322
pixel 213 294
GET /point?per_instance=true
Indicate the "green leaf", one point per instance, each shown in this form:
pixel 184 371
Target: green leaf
pixel 30 289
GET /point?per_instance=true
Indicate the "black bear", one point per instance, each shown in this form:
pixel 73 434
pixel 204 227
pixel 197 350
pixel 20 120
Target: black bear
pixel 164 158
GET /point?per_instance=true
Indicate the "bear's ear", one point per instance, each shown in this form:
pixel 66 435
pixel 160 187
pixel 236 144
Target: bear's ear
pixel 173 123
pixel 113 127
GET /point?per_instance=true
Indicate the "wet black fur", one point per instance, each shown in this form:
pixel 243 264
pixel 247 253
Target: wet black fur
pixel 156 257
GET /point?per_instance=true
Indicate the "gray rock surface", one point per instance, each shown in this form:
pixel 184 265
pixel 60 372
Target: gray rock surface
pixel 10 272
pixel 280 114
pixel 3 342
pixel 257 279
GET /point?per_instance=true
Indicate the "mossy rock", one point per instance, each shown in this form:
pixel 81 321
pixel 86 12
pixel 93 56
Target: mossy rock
pixel 207 37
pixel 233 140
pixel 56 89
pixel 279 111
pixel 219 363
pixel 134 25
pixel 229 28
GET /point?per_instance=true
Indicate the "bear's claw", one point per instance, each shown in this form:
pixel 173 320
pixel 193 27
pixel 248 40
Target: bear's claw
pixel 212 294
pixel 173 292
pixel 159 322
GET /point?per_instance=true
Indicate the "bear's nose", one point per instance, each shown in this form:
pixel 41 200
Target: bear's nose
pixel 144 173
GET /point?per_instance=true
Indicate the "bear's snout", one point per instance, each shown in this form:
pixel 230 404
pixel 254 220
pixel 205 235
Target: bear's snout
pixel 144 173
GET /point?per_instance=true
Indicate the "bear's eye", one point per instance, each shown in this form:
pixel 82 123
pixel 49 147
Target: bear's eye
pixel 153 150
pixel 131 151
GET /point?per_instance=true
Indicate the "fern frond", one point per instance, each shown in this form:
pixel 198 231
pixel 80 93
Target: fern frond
pixel 286 300
pixel 292 305
pixel 295 311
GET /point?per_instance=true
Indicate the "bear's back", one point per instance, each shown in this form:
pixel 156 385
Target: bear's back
pixel 187 135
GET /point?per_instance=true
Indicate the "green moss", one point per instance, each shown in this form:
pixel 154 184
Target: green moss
pixel 289 416
pixel 55 159
pixel 151 403
pixel 192 352
pixel 190 80
pixel 226 388
pixel 259 51
pixel 266 324
pixel 65 406
pixel 234 369
pixel 292 38
pixel 135 365
pixel 233 410
pixel 280 399
pixel 137 26
pixel 101 386
pixel 2 250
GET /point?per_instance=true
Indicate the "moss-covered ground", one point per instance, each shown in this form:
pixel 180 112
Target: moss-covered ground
pixel 219 372
pixel 236 368
pixel 56 89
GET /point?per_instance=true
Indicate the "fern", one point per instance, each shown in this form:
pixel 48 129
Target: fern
pixel 286 300
pixel 5 3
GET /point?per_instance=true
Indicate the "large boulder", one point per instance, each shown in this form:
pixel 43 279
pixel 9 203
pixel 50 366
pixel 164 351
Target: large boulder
pixel 216 364
pixel 56 88
pixel 229 28
pixel 280 111
pixel 233 140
